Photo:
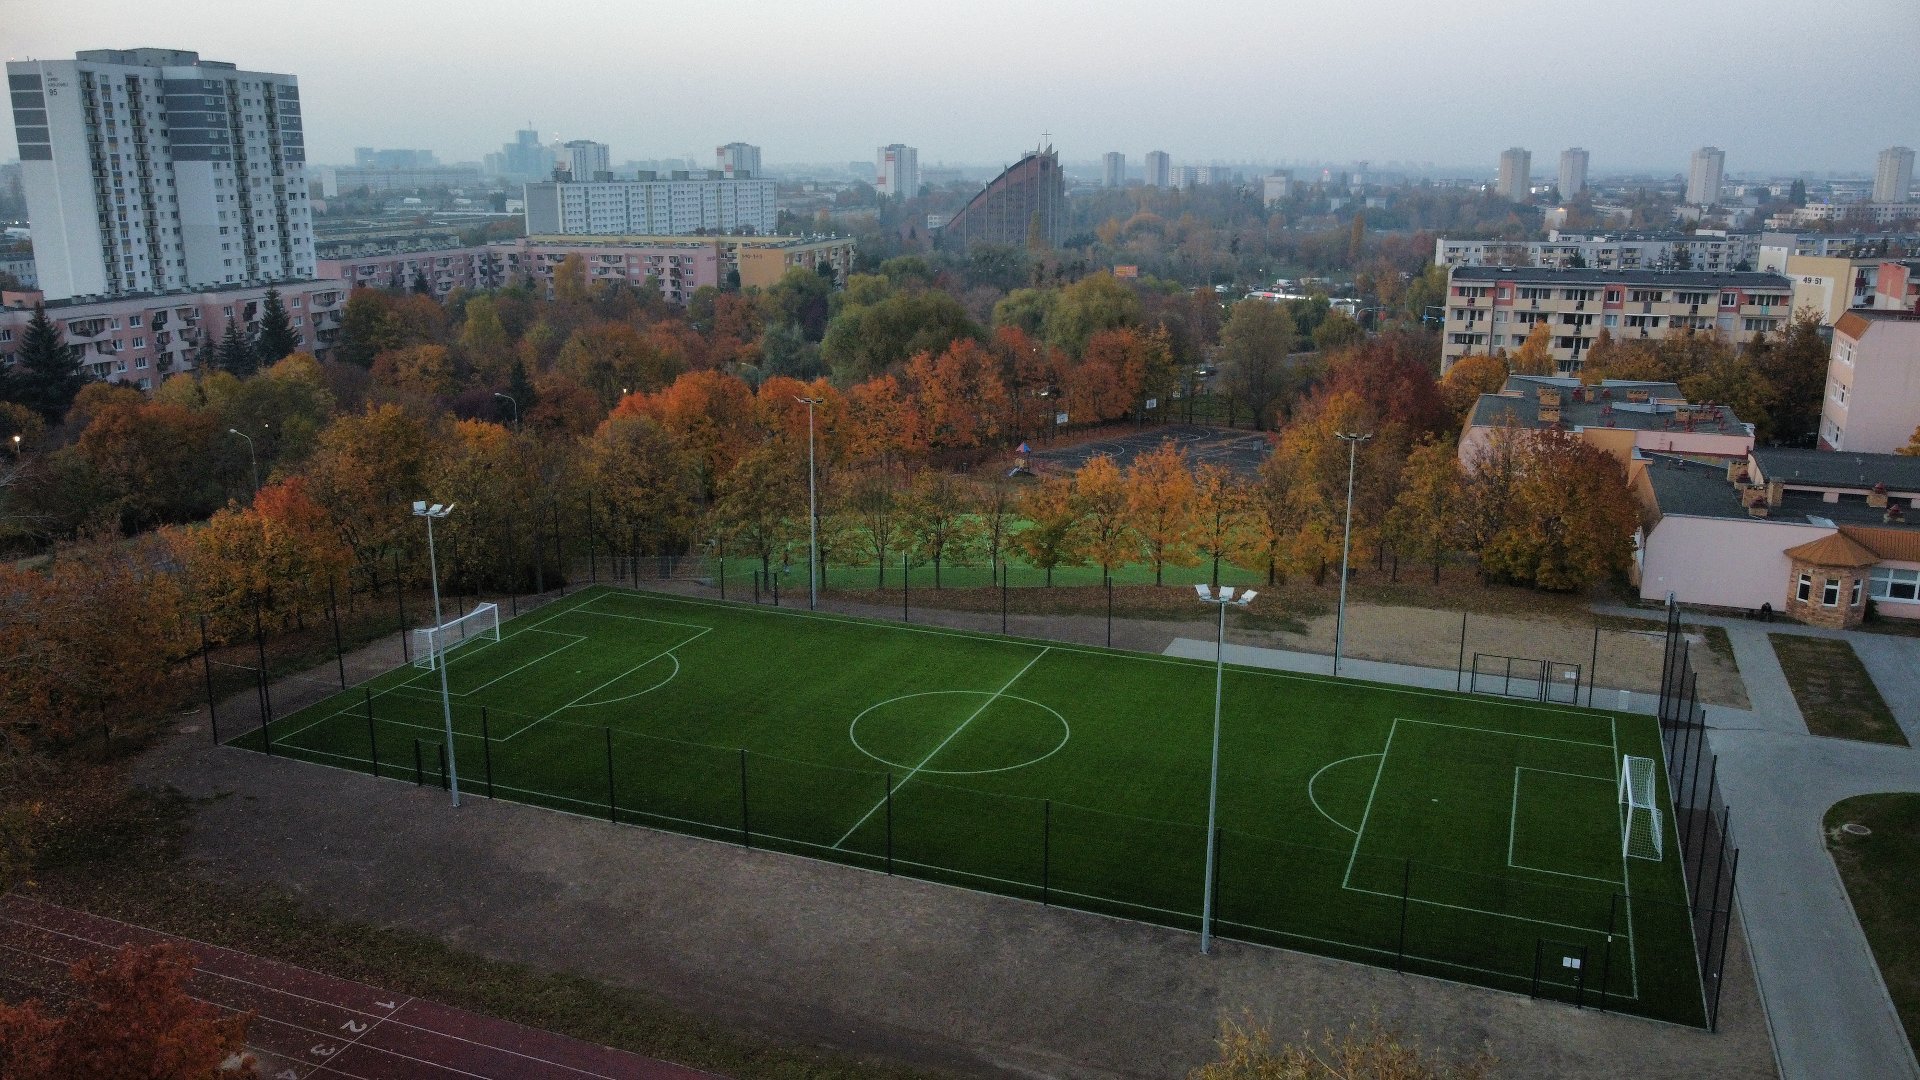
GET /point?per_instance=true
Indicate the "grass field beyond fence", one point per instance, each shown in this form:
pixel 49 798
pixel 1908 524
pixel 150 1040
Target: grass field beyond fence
pixel 1470 838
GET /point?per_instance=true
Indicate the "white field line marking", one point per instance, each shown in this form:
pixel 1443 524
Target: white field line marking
pixel 637 693
pixel 1513 825
pixel 1148 658
pixel 1364 814
pixel 577 639
pixel 669 649
pixel 1514 734
pixel 943 744
pixel 1316 801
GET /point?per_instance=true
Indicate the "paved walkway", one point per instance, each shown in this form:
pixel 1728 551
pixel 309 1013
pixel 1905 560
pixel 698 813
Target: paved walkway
pixel 1826 1004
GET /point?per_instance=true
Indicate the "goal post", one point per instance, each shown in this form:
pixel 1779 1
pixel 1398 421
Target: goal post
pixel 1641 832
pixel 433 643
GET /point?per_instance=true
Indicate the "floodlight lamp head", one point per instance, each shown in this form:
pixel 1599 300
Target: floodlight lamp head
pixel 1246 598
pixel 1205 593
pixel 1226 593
pixel 419 507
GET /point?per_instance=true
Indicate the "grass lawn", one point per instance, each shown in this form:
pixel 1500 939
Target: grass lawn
pixel 1879 870
pixel 1467 837
pixel 1836 695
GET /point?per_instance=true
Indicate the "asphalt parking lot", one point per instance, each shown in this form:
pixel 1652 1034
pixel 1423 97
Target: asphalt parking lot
pixel 1239 450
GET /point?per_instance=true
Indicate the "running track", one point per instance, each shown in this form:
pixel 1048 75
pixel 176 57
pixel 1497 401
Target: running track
pixel 313 1025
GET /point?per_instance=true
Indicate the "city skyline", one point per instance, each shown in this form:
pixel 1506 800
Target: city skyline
pixel 1338 94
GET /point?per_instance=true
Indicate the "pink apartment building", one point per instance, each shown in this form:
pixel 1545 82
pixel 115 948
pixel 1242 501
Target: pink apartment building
pixel 134 339
pixel 1812 534
pixel 1872 402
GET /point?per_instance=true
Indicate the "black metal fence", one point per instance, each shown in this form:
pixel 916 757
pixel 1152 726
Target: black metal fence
pixel 1702 821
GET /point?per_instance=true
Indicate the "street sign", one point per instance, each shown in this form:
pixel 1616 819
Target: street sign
pixel 1060 419
pixel 1153 403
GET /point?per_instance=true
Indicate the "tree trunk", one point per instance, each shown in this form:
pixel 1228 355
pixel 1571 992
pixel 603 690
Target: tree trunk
pixel 1436 571
pixel 1216 571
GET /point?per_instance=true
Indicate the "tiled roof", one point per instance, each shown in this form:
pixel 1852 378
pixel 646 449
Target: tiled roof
pixel 1838 468
pixel 1834 549
pixel 1894 544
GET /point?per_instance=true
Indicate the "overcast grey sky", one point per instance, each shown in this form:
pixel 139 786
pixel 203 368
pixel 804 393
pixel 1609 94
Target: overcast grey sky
pixel 1779 84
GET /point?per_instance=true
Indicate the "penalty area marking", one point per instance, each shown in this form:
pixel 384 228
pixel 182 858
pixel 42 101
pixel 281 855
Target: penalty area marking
pixel 1066 732
pixel 1513 825
pixel 1316 776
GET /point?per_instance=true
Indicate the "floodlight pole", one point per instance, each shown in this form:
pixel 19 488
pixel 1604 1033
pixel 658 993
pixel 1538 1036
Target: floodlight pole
pixel 1219 599
pixel 440 660
pixel 1353 441
pixel 813 513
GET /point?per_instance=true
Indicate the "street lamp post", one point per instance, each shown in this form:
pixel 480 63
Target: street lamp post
pixel 421 509
pixel 813 512
pixel 511 400
pixel 1353 440
pixel 1221 600
pixel 251 456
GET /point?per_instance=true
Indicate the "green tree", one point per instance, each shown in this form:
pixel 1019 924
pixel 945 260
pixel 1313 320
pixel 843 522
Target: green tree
pixel 46 371
pixel 235 355
pixel 1254 346
pixel 864 340
pixel 1425 518
pixel 1337 331
pixel 277 338
pixel 1094 303
pixel 1794 368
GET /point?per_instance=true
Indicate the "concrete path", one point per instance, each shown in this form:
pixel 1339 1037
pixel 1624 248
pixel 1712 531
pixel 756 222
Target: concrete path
pixel 1826 1003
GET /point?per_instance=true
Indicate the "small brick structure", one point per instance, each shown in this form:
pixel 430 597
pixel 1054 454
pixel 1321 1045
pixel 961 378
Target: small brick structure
pixel 1828 583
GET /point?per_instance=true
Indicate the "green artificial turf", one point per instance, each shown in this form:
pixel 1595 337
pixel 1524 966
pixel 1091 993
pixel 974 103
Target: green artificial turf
pixel 1466 837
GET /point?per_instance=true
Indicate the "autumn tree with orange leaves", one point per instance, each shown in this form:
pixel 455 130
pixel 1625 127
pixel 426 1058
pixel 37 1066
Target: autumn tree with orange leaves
pixel 130 1015
pixel 1161 508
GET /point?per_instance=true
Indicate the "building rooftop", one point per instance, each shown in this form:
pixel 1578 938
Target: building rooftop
pixel 1705 279
pixel 1838 469
pixel 1664 407
pixel 1695 489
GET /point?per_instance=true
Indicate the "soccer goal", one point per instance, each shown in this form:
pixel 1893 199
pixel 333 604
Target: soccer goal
pixel 1641 835
pixel 431 644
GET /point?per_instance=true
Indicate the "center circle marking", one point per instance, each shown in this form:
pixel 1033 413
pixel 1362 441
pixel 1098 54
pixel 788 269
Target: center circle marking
pixel 853 732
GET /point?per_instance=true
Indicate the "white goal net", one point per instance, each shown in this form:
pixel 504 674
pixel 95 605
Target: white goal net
pixel 1641 833
pixel 431 644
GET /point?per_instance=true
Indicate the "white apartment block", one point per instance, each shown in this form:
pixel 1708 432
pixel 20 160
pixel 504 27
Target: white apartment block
pixel 1707 249
pixel 677 206
pixel 1186 178
pixel 1844 214
pixel 1113 169
pixel 1893 177
pixel 1276 187
pixel 1704 177
pixel 1872 403
pixel 1159 169
pixel 587 160
pixel 738 161
pixel 151 170
pixel 1573 173
pixel 1494 308
pixel 896 170
pixel 1516 173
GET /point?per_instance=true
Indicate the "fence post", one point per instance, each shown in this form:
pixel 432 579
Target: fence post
pixel 400 597
pixel 373 737
pixel 486 750
pixel 1713 1011
pixel 1606 957
pixel 560 546
pixel 773 584
pixel 1046 852
pixel 1003 596
pixel 266 695
pixel 1406 888
pixel 1460 668
pixel 333 611
pixel 613 814
pixel 746 829
pixel 1533 988
pixel 720 549
pixel 906 586
pixel 593 562
pixel 206 662
pixel 1713 768
pixel 419 774
pixel 513 589
pixel 889 799
pixel 1109 578
pixel 1593 672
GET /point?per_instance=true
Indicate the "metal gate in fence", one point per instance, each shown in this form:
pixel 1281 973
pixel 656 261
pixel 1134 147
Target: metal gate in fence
pixel 1525 677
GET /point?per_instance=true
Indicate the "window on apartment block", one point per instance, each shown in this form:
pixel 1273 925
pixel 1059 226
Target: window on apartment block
pixel 1895 584
pixel 1855 602
pixel 1830 593
pixel 1805 591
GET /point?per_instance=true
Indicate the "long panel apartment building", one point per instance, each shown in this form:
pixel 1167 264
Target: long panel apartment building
pixel 1704 250
pixel 153 171
pixel 1491 308
pixel 680 204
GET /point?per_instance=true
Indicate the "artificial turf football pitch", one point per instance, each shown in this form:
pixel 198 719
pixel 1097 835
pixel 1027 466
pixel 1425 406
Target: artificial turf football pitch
pixel 1461 836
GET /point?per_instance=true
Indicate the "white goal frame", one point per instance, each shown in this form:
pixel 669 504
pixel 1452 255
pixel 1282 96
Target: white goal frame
pixel 1642 830
pixel 432 643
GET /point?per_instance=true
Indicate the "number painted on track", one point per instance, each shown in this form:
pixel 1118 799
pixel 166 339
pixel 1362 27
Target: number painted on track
pixel 354 1027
